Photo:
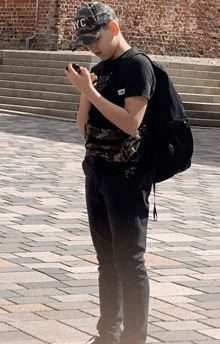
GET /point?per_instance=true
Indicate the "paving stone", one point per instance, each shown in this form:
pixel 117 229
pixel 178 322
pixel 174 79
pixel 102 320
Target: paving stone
pixel 212 297
pixel 214 333
pixel 31 341
pixel 212 322
pixel 56 332
pixel 214 314
pixel 23 277
pixel 7 294
pixel 184 342
pixel 6 328
pixel 170 289
pixel 209 305
pixel 10 318
pixel 62 315
pixel 174 336
pixel 181 313
pixel 76 297
pixel 161 316
pixel 15 336
pixel 207 341
pixel 181 325
pixel 42 285
pixel 81 290
pixel 23 308
pixel 72 305
pixel 40 292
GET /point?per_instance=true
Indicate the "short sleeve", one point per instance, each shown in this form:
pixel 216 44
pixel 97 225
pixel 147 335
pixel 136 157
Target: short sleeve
pixel 140 79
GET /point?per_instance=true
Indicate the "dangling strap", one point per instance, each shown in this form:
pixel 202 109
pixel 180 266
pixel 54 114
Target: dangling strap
pixel 155 210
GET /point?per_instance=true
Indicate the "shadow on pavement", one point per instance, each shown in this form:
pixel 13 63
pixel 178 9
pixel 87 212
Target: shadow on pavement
pixel 206 146
pixel 206 140
pixel 48 129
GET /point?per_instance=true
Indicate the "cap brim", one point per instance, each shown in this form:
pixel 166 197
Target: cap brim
pixel 86 40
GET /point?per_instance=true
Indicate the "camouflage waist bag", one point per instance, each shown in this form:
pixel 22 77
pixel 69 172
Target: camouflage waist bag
pixel 111 145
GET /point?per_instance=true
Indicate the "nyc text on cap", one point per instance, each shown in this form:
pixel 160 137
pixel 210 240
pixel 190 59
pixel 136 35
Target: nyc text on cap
pixel 89 21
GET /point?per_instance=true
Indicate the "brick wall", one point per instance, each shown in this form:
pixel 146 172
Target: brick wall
pixel 175 27
pixel 46 24
pixel 17 21
pixel 170 27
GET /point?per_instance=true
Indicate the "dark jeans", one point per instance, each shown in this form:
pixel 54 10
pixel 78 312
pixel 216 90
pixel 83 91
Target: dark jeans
pixel 118 214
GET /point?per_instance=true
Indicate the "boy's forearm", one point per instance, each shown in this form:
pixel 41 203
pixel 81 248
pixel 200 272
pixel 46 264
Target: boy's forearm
pixel 127 118
pixel 83 114
pixel 114 113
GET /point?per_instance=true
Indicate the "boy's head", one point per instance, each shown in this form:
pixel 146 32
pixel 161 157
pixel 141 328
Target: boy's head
pixel 89 21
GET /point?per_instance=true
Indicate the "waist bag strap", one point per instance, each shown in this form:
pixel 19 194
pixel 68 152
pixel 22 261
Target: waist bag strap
pixel 111 145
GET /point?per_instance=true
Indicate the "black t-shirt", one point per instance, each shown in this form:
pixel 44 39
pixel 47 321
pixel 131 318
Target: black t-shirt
pixel 129 75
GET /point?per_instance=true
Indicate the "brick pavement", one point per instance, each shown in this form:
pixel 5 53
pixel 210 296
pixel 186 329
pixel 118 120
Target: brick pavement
pixel 48 270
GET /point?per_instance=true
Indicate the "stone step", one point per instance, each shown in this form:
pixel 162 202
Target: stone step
pixel 43 87
pixel 52 80
pixel 203 114
pixel 200 98
pixel 70 106
pixel 42 63
pixel 61 65
pixel 32 70
pixel 194 74
pixel 198 89
pixel 204 118
pixel 195 82
pixel 34 95
pixel 189 66
pixel 207 107
pixel 38 111
pixel 202 122
pixel 49 55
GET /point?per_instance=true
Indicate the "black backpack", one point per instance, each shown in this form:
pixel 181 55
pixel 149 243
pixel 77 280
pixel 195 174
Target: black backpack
pixel 167 126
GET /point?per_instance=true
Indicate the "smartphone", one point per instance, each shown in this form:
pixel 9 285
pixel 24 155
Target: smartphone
pixel 76 67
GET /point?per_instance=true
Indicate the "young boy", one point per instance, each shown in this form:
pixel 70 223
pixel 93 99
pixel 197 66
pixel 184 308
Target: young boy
pixel 118 170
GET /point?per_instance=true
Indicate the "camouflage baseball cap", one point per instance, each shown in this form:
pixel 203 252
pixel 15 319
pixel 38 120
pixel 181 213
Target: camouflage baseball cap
pixel 89 21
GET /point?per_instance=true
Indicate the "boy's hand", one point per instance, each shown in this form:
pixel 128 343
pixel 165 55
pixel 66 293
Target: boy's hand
pixel 94 79
pixel 84 81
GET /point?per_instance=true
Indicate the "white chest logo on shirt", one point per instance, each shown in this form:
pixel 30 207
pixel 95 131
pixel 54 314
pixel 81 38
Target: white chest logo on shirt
pixel 121 92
